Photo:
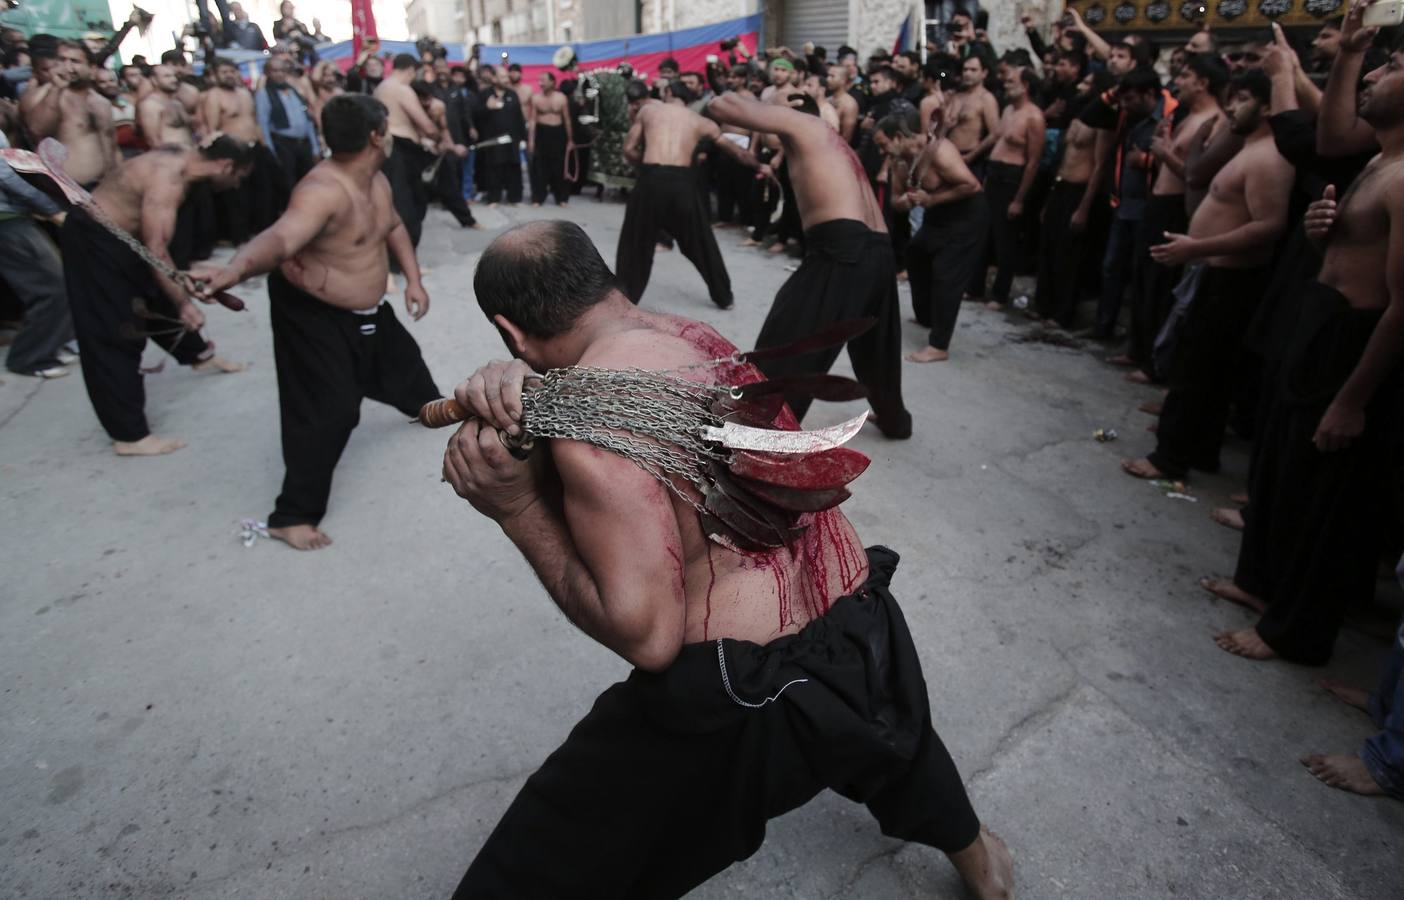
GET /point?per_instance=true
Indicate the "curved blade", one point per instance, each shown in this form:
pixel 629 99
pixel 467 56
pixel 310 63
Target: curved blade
pixel 743 437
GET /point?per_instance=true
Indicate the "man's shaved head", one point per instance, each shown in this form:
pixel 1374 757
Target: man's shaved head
pixel 542 276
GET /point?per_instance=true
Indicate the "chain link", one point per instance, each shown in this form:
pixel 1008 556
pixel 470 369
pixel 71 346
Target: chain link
pixel 653 419
pixel 99 216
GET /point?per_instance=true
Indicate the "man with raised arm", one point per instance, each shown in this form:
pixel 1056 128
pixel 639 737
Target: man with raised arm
pixel 335 339
pixel 759 678
pixel 66 107
pixel 1314 528
pixel 663 140
pixel 849 271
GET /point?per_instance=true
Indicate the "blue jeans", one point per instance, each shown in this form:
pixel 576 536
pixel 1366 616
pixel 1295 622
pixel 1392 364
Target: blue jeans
pixel 1383 754
pixel 468 190
pixel 1117 266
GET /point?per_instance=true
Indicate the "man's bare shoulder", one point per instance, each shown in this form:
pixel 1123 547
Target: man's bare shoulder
pixel 665 343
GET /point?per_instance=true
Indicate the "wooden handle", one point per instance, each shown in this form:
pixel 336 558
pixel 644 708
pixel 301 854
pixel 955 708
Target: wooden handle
pixel 441 413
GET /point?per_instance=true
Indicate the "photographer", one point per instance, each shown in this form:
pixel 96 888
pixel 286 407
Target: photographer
pixel 240 32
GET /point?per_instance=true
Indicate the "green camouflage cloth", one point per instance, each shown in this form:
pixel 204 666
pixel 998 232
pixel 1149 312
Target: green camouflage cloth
pixel 607 163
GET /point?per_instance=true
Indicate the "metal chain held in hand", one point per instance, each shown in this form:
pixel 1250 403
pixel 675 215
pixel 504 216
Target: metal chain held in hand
pixel 99 216
pixel 653 419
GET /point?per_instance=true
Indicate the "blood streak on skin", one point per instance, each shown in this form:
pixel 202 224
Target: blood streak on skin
pixel 823 532
pixel 711 583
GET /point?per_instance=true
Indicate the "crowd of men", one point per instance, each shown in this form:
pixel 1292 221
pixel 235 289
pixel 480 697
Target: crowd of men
pixel 1226 215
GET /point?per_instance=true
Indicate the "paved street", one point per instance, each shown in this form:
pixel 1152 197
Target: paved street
pixel 183 716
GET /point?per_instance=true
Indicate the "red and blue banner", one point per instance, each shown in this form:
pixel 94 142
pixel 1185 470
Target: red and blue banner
pixel 689 46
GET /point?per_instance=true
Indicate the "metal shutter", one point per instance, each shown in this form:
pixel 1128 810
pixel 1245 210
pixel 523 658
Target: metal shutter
pixel 825 22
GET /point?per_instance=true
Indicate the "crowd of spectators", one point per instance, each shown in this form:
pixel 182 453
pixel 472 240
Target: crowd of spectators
pixel 1197 208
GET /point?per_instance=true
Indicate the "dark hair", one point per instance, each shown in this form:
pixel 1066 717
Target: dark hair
pixel 173 58
pixel 1030 80
pixel 404 61
pixel 819 70
pixel 421 89
pixel 912 56
pixel 43 46
pixel 486 69
pixel 1017 57
pixel 635 91
pixel 348 121
pixel 514 67
pixel 1141 81
pixel 1255 82
pixel 542 276
pixel 1078 41
pixel 977 58
pixel 885 71
pixel 1334 22
pixel 895 125
pixel 1208 68
pixel 821 53
pixel 944 69
pixel 218 62
pixel 962 11
pixel 802 102
pixel 669 63
pixel 241 153
pixel 1141 54
pixel 1077 59
pixel 740 70
pixel 549 74
pixel 123 70
pixel 681 92
pixel 844 50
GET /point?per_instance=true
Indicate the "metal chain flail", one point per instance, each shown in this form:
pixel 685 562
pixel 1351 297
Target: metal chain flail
pixel 653 419
pixel 99 216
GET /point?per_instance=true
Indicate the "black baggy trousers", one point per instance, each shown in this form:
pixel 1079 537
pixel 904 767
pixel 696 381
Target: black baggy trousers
pixel 848 272
pixel 107 283
pixel 328 359
pixel 672 776
pixel 667 200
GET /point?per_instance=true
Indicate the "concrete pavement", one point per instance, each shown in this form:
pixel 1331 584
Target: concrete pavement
pixel 186 717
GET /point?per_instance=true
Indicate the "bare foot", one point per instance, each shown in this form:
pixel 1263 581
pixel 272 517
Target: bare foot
pixel 1141 468
pixel 301 537
pixel 1240 498
pixel 1228 517
pixel 901 277
pixel 986 867
pixel 1050 325
pixel 1121 359
pixel 1151 406
pixel 750 242
pixel 219 364
pixel 1138 377
pixel 927 354
pixel 1348 694
pixel 994 306
pixel 777 247
pixel 1245 643
pixel 663 248
pixel 1345 772
pixel 1225 589
pixel 151 445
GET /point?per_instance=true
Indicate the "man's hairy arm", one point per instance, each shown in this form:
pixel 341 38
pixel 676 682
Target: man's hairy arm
pixel 609 554
pixel 309 209
pixel 158 215
pixel 733 109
